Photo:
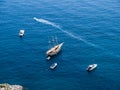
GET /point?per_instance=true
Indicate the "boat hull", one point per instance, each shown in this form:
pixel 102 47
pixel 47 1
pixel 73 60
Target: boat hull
pixel 91 67
pixel 55 50
pixel 53 66
pixel 21 33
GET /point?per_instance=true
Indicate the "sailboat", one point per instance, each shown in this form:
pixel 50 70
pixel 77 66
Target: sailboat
pixel 54 50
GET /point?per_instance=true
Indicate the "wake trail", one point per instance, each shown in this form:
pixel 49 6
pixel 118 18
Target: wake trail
pixel 46 22
pixel 64 31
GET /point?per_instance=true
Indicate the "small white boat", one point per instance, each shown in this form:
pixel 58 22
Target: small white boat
pixel 21 33
pixel 53 66
pixel 91 67
pixel 48 58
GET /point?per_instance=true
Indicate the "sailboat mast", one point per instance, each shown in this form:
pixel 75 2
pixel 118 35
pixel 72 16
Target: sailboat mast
pixel 56 40
pixel 53 41
pixel 49 42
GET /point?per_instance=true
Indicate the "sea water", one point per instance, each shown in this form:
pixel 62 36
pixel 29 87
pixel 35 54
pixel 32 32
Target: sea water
pixel 90 30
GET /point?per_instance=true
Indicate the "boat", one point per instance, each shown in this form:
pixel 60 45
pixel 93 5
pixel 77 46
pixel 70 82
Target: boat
pixel 53 66
pixel 54 50
pixel 91 67
pixel 21 33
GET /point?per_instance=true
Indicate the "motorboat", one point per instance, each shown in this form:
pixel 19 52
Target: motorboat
pixel 21 33
pixel 53 66
pixel 91 67
pixel 54 50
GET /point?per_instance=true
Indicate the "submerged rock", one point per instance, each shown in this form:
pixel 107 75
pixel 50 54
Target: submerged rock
pixel 6 86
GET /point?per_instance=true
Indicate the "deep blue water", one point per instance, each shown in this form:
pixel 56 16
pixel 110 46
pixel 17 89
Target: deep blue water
pixel 90 30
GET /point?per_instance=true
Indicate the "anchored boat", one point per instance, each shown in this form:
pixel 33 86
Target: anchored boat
pixel 91 67
pixel 54 50
pixel 53 66
pixel 21 33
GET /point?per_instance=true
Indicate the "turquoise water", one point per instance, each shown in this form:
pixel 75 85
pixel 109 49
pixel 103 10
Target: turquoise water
pixel 89 29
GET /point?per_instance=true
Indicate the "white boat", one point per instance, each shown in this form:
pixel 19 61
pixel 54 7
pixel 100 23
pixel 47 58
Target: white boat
pixel 53 66
pixel 54 50
pixel 21 33
pixel 91 67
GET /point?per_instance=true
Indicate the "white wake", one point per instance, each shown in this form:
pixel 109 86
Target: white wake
pixel 46 22
pixel 68 33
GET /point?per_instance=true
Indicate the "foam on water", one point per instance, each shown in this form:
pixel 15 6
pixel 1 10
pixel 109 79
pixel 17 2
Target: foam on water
pixel 66 32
